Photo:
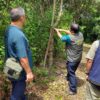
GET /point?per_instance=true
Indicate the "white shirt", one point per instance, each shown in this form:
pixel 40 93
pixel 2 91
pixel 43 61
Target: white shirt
pixel 93 49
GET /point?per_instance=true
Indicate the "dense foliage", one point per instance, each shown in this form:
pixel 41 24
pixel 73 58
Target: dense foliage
pixel 39 16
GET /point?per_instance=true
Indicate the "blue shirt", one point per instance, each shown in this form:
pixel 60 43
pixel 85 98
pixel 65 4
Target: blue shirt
pixel 66 38
pixel 16 44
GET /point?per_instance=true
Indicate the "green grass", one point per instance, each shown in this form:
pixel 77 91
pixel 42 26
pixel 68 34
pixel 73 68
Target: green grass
pixel 44 75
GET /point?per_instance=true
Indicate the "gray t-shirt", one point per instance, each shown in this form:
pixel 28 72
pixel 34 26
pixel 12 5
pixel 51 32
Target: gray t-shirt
pixel 74 44
pixel 93 49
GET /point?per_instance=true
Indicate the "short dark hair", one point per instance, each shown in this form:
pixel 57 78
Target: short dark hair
pixel 75 28
pixel 16 13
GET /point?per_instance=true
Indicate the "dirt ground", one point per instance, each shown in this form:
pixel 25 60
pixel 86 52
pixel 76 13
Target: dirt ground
pixel 58 89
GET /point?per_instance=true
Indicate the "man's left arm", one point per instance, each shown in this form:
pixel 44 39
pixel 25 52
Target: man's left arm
pixel 23 57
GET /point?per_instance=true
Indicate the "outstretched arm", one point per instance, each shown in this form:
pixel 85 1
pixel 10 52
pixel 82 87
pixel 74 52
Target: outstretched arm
pixel 58 33
pixel 63 30
pixel 64 38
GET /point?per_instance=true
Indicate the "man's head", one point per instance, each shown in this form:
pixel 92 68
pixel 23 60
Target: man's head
pixel 18 15
pixel 74 28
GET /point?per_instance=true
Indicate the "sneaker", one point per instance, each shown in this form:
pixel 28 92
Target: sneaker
pixel 66 77
pixel 72 93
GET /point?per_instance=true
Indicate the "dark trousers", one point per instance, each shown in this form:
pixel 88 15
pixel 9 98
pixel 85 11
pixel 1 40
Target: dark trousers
pixel 18 89
pixel 71 77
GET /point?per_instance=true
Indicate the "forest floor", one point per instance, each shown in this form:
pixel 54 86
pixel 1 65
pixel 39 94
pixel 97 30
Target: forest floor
pixel 57 89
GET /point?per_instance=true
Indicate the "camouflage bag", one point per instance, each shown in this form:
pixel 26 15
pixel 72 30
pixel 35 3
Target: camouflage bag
pixel 12 68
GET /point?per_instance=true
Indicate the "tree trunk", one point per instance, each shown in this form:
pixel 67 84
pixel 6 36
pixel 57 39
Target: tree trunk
pixel 50 48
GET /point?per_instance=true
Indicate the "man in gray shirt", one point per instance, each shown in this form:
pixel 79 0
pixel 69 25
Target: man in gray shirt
pixel 74 45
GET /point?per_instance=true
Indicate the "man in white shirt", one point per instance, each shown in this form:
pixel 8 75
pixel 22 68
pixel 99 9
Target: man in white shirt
pixel 93 72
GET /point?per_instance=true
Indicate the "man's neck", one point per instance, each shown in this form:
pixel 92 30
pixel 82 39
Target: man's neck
pixel 17 24
pixel 72 33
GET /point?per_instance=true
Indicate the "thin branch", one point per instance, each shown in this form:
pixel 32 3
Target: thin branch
pixel 52 26
pixel 52 22
pixel 60 14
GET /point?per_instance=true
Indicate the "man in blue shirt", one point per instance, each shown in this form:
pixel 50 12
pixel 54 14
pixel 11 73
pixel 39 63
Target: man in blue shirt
pixel 74 45
pixel 17 46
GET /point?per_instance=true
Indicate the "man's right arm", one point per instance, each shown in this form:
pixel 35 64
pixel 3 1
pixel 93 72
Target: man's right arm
pixel 58 33
pixel 63 30
pixel 64 38
pixel 88 65
pixel 90 56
